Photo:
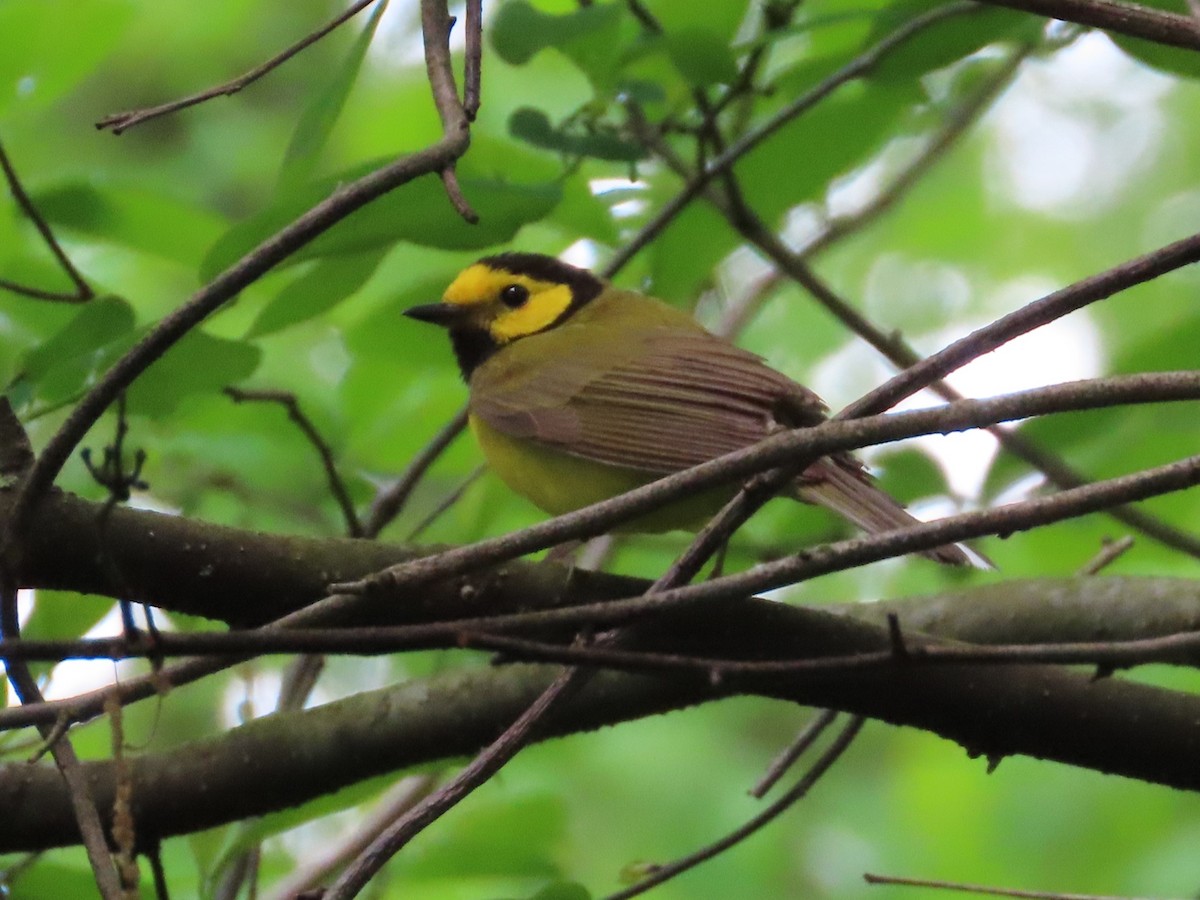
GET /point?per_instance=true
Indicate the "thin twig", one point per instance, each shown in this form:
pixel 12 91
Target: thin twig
pixel 390 501
pixel 457 199
pixel 448 501
pixel 83 291
pixel 850 435
pixel 952 128
pixel 479 770
pixel 855 69
pixel 399 799
pixel 119 122
pixel 782 449
pixel 337 486
pixel 871 878
pixel 341 203
pixel 794 794
pixel 1109 553
pixel 792 752
pixel 87 817
pixel 921 374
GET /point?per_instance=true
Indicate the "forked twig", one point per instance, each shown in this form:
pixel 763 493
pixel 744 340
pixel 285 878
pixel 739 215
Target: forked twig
pixel 83 291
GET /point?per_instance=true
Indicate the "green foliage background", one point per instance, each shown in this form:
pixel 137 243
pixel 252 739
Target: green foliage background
pixel 150 215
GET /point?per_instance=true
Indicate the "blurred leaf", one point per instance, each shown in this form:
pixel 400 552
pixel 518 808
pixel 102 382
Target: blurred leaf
pixel 96 324
pixel 589 36
pixel 703 58
pixel 60 368
pixel 510 836
pixel 562 890
pixel 798 162
pixel 947 40
pixel 198 363
pixel 685 254
pixel 321 114
pixel 1175 60
pixel 52 44
pixel 911 475
pixel 131 215
pixel 418 212
pixel 326 284
pixel 533 126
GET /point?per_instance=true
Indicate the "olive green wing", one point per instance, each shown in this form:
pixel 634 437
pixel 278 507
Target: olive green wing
pixel 656 399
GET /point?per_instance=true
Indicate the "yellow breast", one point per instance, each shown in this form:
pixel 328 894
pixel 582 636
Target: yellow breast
pixel 558 482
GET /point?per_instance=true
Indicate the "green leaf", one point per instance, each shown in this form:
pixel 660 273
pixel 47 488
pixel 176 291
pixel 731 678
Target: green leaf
pixel 326 284
pixel 519 31
pixel 62 366
pixel 534 127
pixel 50 45
pixel 317 121
pixel 945 41
pixel 702 57
pixel 1175 60
pixel 596 38
pixel 508 836
pixel 96 324
pixel 199 362
pixel 561 890
pixel 417 212
pixel 798 162
pixel 132 216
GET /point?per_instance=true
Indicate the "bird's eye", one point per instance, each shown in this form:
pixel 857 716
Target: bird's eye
pixel 514 295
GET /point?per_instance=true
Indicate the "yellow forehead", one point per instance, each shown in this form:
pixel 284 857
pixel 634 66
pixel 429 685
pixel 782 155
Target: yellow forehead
pixel 482 284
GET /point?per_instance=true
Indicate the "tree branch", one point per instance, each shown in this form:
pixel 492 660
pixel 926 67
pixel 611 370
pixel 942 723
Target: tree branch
pixel 341 203
pixel 1035 710
pixel 1130 19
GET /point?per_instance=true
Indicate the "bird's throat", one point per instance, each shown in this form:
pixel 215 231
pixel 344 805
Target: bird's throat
pixel 472 347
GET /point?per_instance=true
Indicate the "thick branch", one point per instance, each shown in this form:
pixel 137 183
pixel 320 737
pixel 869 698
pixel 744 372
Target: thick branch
pixel 1108 725
pixel 1129 19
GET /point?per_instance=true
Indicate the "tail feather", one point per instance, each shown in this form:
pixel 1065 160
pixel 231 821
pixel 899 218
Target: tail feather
pixel 851 494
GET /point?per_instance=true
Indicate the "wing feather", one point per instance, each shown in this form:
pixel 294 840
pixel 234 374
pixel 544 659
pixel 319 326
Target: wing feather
pixel 655 396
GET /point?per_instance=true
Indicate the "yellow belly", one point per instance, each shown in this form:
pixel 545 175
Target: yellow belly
pixel 558 482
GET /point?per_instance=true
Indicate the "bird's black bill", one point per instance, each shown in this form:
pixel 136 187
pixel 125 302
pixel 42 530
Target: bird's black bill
pixel 444 314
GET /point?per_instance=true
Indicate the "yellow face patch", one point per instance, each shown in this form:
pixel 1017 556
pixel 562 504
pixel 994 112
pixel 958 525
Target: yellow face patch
pixel 479 287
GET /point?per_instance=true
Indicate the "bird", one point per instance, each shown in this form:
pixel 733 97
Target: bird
pixel 580 391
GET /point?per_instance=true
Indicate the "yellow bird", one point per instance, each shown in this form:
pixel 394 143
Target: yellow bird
pixel 580 391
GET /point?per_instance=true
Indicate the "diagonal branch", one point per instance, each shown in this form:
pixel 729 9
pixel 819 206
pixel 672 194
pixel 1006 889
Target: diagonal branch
pixel 341 203
pixel 83 291
pixel 1131 19
pixel 119 122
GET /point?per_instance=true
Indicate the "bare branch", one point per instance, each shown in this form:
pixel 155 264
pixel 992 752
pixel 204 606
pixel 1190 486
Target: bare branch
pixel 119 122
pixel 856 68
pixel 780 449
pixel 481 768
pixel 337 486
pixel 472 63
pixel 341 203
pixel 796 793
pixel 1129 19
pixel 871 878
pixel 391 500
pixel 779 767
pixel 83 291
pixel 83 805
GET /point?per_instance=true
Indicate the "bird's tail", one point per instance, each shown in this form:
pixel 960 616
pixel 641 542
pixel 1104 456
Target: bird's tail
pixel 850 493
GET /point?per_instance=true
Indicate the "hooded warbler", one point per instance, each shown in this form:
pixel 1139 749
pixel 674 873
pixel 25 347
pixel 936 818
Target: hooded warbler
pixel 580 391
